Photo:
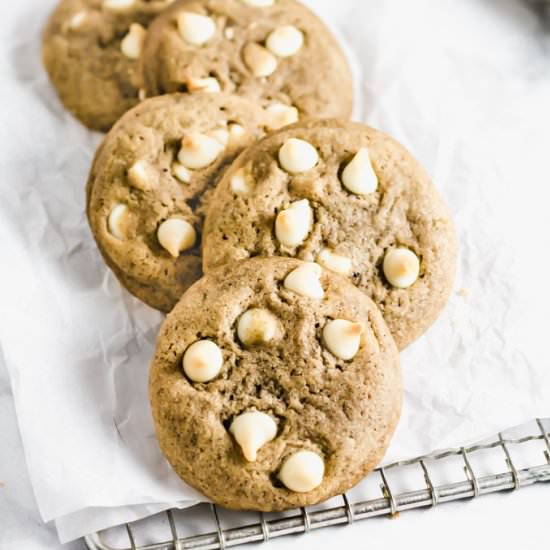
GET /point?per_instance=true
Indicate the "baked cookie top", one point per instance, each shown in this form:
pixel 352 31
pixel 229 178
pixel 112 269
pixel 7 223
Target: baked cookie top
pixel 275 384
pixel 273 49
pixel 150 183
pixel 350 198
pixel 91 51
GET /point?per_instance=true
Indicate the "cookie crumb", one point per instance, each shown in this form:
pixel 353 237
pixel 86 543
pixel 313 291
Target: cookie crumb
pixel 464 293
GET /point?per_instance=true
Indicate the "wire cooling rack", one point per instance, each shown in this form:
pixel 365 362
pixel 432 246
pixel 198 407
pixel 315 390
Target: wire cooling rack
pixel 511 460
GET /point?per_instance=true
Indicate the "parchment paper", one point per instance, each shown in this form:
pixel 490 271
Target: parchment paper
pixel 461 84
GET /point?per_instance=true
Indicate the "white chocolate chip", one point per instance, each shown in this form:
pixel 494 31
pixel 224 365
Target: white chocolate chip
pixel 199 151
pixel 359 176
pixel 176 235
pixel 302 472
pixel 305 281
pixel 279 115
pixel 142 94
pixel 343 338
pixel 132 43
pixel 142 175
pixel 181 173
pixel 334 262
pixel 297 155
pixel 237 133
pixel 77 20
pixel 229 33
pixel 293 225
pixel 258 3
pixel 252 430
pixel 202 361
pixel 256 326
pixel 208 85
pixel 285 41
pixel 119 5
pixel 159 5
pixel 259 60
pixel 401 267
pixel 221 135
pixel 240 184
pixel 116 221
pixel 196 29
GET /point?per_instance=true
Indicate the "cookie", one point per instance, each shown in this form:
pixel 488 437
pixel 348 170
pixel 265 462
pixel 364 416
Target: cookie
pixel 91 51
pixel 276 50
pixel 350 198
pixel 150 184
pixel 275 384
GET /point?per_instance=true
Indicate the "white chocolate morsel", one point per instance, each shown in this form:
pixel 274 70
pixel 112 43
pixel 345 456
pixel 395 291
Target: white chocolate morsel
pixel 285 41
pixel 229 33
pixel 132 43
pixel 221 135
pixel 401 267
pixel 237 133
pixel 208 85
pixel 252 430
pixel 142 94
pixel 118 5
pixel 297 155
pixel 202 361
pixel 343 338
pixel 302 472
pixel 196 29
pixel 176 235
pixel 240 184
pixel 256 326
pixel 359 176
pixel 306 281
pixel 199 151
pixel 279 115
pixel 259 60
pixel 334 262
pixel 181 173
pixel 142 175
pixel 116 221
pixel 77 20
pixel 258 3
pixel 293 225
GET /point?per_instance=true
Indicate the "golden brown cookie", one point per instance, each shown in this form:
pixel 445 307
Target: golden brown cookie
pixel 350 198
pixel 151 181
pixel 276 50
pixel 275 384
pixel 91 50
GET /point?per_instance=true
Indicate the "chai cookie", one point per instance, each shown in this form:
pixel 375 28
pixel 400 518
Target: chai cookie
pixel 151 181
pixel 353 200
pixel 91 51
pixel 275 49
pixel 275 384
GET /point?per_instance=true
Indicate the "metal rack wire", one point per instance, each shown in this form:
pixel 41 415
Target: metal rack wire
pixel 390 503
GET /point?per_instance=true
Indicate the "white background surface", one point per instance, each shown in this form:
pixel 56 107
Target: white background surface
pixel 475 76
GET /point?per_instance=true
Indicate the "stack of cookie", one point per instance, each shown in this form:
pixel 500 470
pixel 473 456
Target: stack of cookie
pixel 295 252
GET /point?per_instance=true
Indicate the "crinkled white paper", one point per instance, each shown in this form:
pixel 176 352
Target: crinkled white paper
pixel 464 85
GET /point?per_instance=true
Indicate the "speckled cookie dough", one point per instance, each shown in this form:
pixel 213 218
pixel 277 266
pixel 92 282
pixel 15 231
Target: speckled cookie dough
pixel 353 200
pixel 276 50
pixel 275 384
pixel 91 51
pixel 151 181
